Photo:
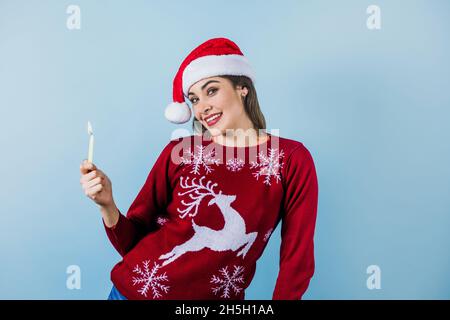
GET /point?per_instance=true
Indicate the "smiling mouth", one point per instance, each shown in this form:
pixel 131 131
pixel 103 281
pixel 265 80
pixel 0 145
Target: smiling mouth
pixel 211 120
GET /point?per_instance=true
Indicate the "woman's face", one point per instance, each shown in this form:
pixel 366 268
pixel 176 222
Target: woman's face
pixel 218 105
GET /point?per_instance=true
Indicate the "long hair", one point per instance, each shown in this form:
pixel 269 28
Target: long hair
pixel 250 101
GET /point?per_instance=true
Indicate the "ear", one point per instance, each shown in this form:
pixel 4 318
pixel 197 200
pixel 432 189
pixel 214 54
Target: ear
pixel 244 91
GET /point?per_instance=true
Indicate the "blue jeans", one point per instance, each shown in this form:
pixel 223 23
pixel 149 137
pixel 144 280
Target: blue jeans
pixel 115 294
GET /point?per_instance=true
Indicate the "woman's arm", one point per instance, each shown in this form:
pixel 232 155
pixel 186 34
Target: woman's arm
pixel 110 215
pixel 298 224
pixel 124 231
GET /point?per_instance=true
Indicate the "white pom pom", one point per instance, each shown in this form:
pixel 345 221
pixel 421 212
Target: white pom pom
pixel 178 112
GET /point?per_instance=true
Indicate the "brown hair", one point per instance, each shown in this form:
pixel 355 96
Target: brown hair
pixel 250 101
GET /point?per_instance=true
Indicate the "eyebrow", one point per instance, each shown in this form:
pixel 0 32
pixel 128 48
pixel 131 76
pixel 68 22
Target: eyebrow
pixel 203 86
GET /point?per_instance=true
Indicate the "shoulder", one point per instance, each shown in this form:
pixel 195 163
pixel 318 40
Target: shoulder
pixel 297 161
pixel 177 141
pixel 176 147
pixel 292 149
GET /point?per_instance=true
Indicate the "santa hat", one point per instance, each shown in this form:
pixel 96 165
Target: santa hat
pixel 214 57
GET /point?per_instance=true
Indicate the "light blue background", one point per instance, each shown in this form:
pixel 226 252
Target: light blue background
pixel 372 106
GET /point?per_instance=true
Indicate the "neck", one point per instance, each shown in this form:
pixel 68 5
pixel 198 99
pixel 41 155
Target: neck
pixel 240 137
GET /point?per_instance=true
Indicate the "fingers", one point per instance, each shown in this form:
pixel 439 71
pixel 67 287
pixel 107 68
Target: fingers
pixel 94 182
pixel 92 179
pixel 86 166
pixel 92 175
pixel 88 176
pixel 93 191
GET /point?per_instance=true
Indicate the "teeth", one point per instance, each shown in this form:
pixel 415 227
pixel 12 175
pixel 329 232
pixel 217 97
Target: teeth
pixel 214 117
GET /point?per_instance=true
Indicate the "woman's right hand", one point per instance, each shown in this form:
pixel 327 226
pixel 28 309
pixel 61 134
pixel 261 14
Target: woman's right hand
pixel 96 185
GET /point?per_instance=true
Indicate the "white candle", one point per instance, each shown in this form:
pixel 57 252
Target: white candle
pixel 91 142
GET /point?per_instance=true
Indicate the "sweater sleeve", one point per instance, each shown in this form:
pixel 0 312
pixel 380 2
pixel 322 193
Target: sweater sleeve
pixel 150 201
pixel 297 228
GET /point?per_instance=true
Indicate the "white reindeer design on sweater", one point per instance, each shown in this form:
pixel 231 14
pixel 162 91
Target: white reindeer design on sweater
pixel 233 235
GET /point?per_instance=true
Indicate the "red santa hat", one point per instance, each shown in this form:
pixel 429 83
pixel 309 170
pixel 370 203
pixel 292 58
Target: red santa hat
pixel 214 57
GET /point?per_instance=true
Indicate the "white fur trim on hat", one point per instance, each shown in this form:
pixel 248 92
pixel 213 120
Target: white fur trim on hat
pixel 178 112
pixel 209 66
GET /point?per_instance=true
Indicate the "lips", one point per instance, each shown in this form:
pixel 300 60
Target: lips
pixel 212 119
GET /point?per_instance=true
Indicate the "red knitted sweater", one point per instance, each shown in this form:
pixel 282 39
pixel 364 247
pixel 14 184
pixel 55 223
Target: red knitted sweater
pixel 205 214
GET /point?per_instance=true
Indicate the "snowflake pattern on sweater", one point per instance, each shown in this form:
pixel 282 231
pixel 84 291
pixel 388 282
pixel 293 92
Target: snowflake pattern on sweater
pixel 200 159
pixel 161 221
pixel 267 235
pixel 221 215
pixel 268 166
pixel 235 164
pixel 149 279
pixel 227 281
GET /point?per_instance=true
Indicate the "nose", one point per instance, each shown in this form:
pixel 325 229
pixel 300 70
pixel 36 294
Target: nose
pixel 205 109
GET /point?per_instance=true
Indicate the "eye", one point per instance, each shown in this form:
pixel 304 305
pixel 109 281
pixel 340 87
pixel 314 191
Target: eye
pixel 211 90
pixel 193 100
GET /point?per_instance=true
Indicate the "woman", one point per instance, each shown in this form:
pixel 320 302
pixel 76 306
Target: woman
pixel 212 199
